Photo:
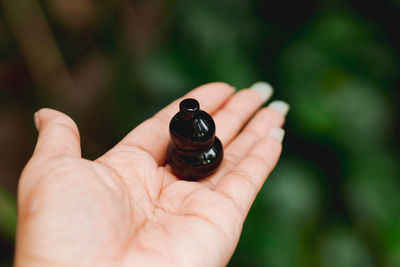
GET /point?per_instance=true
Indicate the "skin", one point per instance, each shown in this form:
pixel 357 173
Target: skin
pixel 127 208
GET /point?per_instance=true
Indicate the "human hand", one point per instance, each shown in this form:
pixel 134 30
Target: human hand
pixel 127 208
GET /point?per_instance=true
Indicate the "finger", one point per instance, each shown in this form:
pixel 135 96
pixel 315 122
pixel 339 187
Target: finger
pixel 152 136
pixel 243 183
pixel 58 135
pixel 265 119
pixel 238 110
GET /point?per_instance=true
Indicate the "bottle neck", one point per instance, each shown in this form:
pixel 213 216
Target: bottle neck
pixel 188 108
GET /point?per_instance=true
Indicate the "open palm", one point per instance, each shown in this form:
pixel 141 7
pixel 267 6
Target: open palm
pixel 127 208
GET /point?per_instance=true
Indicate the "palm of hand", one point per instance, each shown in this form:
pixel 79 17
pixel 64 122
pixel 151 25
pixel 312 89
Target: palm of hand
pixel 127 207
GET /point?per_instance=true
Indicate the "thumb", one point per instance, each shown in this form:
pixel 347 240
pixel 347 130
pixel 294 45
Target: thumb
pixel 58 134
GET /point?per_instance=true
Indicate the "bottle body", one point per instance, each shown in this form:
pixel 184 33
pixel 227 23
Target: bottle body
pixel 194 151
pixel 194 165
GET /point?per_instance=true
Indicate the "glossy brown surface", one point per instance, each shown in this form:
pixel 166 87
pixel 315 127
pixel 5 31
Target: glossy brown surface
pixel 194 151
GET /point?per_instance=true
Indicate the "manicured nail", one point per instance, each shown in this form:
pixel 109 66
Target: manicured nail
pixel 263 89
pixel 36 120
pixel 280 106
pixel 277 133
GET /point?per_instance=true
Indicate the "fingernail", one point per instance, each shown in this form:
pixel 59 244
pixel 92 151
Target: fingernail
pixel 263 89
pixel 277 133
pixel 280 106
pixel 36 119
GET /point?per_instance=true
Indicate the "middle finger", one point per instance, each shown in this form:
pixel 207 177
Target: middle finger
pixel 230 119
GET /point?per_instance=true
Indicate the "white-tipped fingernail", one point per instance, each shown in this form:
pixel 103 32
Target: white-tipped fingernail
pixel 36 119
pixel 263 89
pixel 277 133
pixel 280 106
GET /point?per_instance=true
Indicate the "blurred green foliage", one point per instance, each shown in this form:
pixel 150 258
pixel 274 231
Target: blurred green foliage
pixel 8 215
pixel 334 199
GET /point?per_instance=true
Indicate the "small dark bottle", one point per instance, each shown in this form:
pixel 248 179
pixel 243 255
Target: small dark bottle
pixel 195 152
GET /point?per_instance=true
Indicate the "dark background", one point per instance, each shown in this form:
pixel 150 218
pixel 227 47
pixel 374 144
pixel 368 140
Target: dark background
pixel 334 199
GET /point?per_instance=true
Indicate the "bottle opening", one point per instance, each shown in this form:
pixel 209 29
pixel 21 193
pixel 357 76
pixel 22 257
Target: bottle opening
pixel 189 105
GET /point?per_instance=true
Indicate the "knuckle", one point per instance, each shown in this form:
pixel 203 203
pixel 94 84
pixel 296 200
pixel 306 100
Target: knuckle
pixel 261 159
pixel 252 133
pixel 62 125
pixel 221 85
pixel 233 115
pixel 232 158
pixel 161 116
pixel 244 175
